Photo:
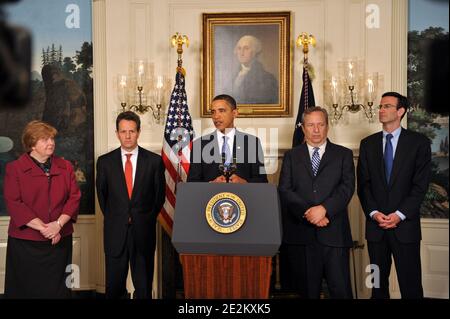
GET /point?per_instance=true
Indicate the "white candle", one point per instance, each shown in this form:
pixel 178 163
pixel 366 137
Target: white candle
pixel 334 90
pixel 122 88
pixel 140 77
pixel 159 87
pixel 350 73
pixel 370 90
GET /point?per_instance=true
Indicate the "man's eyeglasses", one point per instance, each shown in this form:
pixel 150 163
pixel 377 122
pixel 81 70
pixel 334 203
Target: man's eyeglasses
pixel 386 106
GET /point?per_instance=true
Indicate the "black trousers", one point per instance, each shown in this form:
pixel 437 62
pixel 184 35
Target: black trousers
pixel 407 265
pixel 141 266
pixel 309 264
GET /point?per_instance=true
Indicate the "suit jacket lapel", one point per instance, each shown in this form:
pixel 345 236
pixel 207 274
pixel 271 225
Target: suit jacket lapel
pixel 141 168
pixel 399 155
pixel 327 156
pixel 305 159
pixel 217 152
pixel 119 168
pixel 239 149
pixel 379 158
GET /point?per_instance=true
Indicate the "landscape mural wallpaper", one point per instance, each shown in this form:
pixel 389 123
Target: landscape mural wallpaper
pixel 62 87
pixel 428 21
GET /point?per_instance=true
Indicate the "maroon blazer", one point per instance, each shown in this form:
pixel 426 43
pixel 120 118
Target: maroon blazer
pixel 29 193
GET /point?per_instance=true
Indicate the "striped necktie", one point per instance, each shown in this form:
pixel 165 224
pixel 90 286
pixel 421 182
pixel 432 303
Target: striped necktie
pixel 315 160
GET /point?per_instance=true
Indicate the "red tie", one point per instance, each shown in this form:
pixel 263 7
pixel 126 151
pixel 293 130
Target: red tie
pixel 129 174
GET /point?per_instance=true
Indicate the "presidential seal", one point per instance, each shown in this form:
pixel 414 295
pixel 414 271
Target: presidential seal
pixel 225 213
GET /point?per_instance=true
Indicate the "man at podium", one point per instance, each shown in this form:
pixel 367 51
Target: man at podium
pixel 226 155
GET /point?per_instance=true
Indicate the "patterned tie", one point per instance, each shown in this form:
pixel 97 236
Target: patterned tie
pixel 315 160
pixel 388 156
pixel 226 151
pixel 129 174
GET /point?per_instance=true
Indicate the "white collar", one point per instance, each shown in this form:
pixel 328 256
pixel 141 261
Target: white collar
pixel 134 152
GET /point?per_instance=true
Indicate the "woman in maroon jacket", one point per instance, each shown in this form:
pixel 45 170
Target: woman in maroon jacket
pixel 42 199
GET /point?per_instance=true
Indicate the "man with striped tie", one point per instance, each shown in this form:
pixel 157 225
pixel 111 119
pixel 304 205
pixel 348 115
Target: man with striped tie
pixel 131 191
pixel 316 184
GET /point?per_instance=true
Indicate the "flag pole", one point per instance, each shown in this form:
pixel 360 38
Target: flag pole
pixel 306 94
pixel 177 41
pixel 304 40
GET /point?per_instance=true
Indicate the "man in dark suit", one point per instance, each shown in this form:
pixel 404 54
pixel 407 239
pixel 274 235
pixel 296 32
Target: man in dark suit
pixel 226 146
pixel 317 181
pixel 131 192
pixel 393 176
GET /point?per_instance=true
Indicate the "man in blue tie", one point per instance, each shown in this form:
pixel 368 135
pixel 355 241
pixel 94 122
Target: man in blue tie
pixel 317 182
pixel 393 175
pixel 226 146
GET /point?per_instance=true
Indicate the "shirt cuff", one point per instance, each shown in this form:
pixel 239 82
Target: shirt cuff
pixel 373 213
pixel 399 214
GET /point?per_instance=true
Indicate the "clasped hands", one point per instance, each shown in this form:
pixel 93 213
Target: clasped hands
pixel 386 221
pixel 233 179
pixel 51 231
pixel 316 216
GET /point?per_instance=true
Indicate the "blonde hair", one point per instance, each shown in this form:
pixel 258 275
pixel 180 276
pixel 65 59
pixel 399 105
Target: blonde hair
pixel 34 131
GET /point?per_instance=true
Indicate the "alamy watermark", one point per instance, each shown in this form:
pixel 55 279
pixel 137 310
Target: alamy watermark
pixel 73 18
pixel 73 277
pixel 373 17
pixel 373 279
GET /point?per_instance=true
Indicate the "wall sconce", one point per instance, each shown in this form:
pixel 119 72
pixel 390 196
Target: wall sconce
pixel 352 91
pixel 141 91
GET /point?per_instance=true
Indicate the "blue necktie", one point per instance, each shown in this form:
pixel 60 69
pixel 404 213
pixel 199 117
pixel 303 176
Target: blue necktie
pixel 315 160
pixel 226 151
pixel 388 156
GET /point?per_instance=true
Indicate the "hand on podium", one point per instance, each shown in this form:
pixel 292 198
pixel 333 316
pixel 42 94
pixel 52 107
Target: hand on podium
pixel 236 179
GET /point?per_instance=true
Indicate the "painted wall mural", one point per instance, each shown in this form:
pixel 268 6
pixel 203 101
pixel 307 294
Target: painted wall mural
pixel 428 21
pixel 62 87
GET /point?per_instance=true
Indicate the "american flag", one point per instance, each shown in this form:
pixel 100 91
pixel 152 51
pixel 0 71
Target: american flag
pixel 177 146
pixel 306 101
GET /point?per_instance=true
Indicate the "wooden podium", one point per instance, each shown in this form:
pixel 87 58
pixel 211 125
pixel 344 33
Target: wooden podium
pixel 231 277
pixel 227 265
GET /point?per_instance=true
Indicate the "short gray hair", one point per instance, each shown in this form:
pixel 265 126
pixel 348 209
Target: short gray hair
pixel 254 42
pixel 312 109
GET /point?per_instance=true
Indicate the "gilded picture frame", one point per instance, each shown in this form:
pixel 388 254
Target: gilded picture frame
pixel 248 56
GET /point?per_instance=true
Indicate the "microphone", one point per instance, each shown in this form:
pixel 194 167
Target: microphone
pixel 223 158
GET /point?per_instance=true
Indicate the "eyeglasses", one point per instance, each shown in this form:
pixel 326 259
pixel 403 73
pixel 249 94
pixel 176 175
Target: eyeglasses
pixel 386 106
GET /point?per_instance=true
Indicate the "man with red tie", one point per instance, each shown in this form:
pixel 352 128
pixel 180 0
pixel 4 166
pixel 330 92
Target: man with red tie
pixel 131 192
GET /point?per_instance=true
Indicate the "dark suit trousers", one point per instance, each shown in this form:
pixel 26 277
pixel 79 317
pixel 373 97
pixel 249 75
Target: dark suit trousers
pixel 308 264
pixel 407 265
pixel 141 271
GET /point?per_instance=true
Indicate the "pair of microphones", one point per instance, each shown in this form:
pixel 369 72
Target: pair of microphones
pixel 227 169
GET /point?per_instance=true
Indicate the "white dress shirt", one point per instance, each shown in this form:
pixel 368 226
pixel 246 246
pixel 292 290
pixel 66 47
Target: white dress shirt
pixel 230 135
pixel 321 150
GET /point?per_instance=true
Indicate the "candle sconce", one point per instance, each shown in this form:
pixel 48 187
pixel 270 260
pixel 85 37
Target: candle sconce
pixel 352 91
pixel 141 91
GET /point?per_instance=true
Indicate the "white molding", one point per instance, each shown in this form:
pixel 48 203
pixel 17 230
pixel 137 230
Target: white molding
pixel 399 54
pixel 101 117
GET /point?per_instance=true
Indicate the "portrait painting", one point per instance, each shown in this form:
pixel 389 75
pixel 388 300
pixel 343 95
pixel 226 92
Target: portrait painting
pixel 247 56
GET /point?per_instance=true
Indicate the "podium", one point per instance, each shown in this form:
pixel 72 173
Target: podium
pixel 231 258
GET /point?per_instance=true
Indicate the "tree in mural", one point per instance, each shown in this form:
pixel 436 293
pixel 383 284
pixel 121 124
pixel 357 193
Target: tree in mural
pixel 436 200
